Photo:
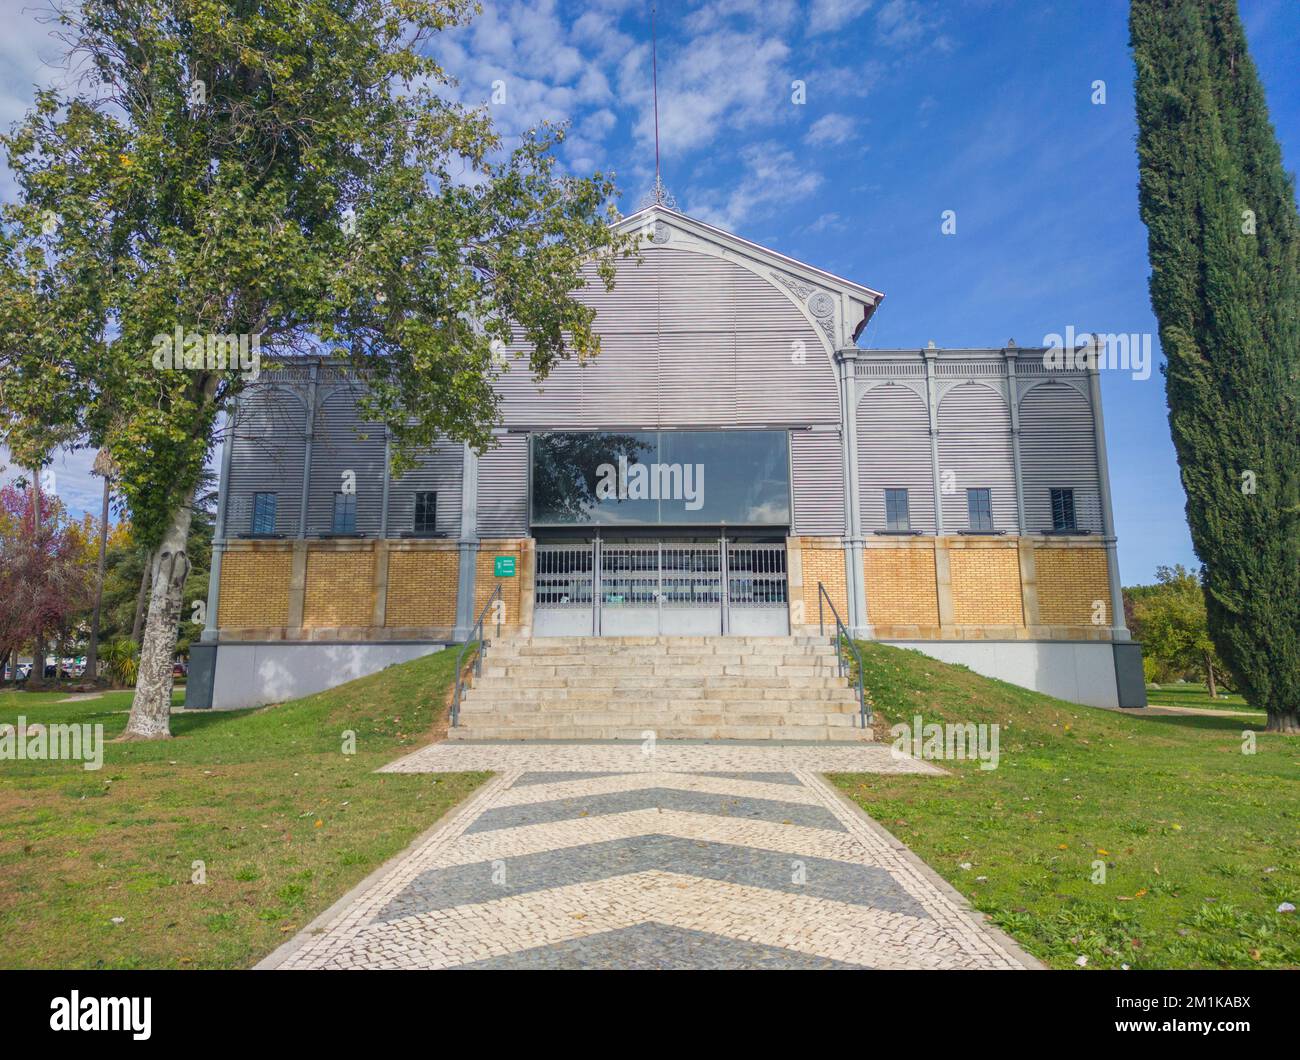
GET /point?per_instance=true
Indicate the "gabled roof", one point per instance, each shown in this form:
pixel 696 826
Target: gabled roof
pixel 760 257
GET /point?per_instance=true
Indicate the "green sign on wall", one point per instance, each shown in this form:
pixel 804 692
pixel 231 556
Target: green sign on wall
pixel 503 566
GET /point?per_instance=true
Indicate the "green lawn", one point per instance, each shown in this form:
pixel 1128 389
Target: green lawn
pixel 1201 842
pixel 1196 697
pixel 283 820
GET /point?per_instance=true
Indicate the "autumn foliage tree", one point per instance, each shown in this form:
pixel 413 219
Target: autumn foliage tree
pixel 45 579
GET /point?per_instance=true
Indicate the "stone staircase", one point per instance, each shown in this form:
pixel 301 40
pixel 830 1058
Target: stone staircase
pixel 679 688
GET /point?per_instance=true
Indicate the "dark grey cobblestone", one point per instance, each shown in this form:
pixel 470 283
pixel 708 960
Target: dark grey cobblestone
pixel 488 881
pixel 651 799
pixel 659 947
pixel 527 779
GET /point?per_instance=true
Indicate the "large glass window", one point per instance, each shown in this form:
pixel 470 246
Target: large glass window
pixel 670 478
pixel 979 509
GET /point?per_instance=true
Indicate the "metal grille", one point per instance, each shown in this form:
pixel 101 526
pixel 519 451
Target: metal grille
pixel 564 577
pixel 667 587
pixel 756 576
pixel 629 576
pixel 690 575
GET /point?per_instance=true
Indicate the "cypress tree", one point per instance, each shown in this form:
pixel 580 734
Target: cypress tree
pixel 1224 244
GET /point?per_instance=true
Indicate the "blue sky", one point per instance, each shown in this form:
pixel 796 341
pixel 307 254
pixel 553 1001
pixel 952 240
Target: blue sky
pixel 913 108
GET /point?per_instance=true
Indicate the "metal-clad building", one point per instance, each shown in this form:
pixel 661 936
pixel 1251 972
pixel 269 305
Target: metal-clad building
pixel 731 462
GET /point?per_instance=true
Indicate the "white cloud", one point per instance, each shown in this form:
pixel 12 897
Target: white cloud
pixel 771 177
pixel 827 222
pixel 771 14
pixel 703 90
pixel 830 129
pixel 901 23
pixel 826 16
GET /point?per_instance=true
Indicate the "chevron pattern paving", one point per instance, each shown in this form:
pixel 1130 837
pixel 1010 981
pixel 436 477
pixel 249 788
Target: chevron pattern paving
pixel 746 860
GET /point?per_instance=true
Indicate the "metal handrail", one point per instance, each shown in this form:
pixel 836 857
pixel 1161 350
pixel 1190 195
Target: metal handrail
pixel 478 659
pixel 842 637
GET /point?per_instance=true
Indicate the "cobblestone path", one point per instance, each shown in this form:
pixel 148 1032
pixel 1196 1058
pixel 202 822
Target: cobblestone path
pixel 695 856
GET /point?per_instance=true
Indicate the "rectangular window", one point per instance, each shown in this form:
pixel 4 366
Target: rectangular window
pixel 263 513
pixel 345 513
pixel 979 509
pixel 897 516
pixel 1063 510
pixel 661 478
pixel 426 512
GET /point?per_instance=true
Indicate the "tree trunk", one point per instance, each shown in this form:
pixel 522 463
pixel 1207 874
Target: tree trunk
pixel 146 577
pixel 92 649
pixel 1209 676
pixel 151 708
pixel 36 679
pixel 1283 721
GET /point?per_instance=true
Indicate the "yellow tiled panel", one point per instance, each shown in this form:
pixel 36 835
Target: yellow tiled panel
pixel 340 589
pixel 901 587
pixel 986 587
pixel 1073 586
pixel 254 588
pixel 422 588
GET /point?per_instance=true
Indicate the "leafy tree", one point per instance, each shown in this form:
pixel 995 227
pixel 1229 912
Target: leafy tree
pixel 289 172
pixel 44 579
pixel 1169 618
pixel 1224 243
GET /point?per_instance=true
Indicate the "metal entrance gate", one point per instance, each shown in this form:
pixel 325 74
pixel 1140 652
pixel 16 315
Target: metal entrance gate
pixel 663 587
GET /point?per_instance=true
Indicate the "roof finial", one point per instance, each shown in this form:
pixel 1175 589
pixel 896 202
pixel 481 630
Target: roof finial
pixel 659 195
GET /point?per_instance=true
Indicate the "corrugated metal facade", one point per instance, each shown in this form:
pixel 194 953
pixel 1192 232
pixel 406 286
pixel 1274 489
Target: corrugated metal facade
pixel 687 340
pixel 690 340
pixel 817 470
pixel 342 443
pixel 503 488
pixel 894 453
pixel 974 453
pixel 440 469
pixel 1058 450
pixel 266 456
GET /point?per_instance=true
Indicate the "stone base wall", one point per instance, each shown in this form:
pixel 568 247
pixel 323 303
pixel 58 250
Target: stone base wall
pixel 917 588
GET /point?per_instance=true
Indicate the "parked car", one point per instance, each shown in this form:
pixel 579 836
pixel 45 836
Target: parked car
pixel 178 669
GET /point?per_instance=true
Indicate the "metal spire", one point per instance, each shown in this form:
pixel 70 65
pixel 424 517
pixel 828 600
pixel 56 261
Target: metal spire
pixel 659 195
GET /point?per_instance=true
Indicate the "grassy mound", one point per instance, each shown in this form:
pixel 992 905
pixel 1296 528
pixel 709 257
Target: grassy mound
pixel 1199 842
pixel 283 821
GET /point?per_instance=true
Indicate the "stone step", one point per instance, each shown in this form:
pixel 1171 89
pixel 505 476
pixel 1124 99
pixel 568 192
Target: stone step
pixel 691 655
pixel 658 719
pixel 541 709
pixel 552 644
pixel 601 688
pixel 588 668
pixel 652 681
pixel 522 693
pixel 820 733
